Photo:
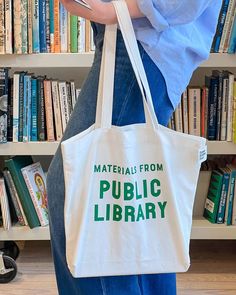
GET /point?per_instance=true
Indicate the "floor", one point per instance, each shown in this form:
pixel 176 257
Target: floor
pixel 213 270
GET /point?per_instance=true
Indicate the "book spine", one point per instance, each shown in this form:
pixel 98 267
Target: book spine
pixel 73 94
pixel 10 111
pixel 219 106
pixel 185 111
pixel 194 99
pixel 222 204
pixel 232 41
pixel 63 29
pixel 81 35
pixel 51 25
pixel 87 35
pixel 4 206
pixel 231 198
pixel 30 27
pixel 57 110
pixel 234 114
pixel 16 98
pixel 48 26
pixel 2 27
pixel 41 218
pixel 231 23
pixel 36 40
pixel 223 133
pixel 203 104
pixel 41 112
pixel 13 193
pixel 212 107
pixel 49 111
pixel 4 100
pixel 69 97
pixel 29 102
pixel 74 33
pixel 57 41
pixel 25 108
pixel 63 104
pixel 68 33
pixel 8 26
pixel 220 26
pixel 17 27
pixel 34 117
pixel 178 118
pixel 230 108
pixel 92 44
pixel 24 25
pixel 42 26
pixel 226 28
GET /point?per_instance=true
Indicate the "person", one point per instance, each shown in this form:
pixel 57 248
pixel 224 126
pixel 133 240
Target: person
pixel 174 37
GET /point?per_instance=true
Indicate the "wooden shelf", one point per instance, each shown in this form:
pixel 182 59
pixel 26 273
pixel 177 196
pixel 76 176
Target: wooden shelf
pixel 202 229
pixel 85 60
pixel 49 148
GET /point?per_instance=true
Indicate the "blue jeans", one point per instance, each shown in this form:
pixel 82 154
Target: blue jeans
pixel 127 109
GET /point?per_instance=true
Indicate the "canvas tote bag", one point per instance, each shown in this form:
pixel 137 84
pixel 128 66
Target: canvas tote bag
pixel 129 191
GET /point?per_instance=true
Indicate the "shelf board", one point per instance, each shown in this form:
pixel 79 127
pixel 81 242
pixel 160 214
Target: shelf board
pixel 49 148
pixel 85 60
pixel 28 148
pixel 202 229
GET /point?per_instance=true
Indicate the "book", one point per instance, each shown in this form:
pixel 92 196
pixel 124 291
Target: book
pixel 35 23
pixel 204 111
pixel 15 198
pixel 27 108
pixel 234 114
pixel 10 111
pixel 185 111
pixel 178 118
pixel 63 29
pixel 4 205
pixel 34 109
pixel 230 106
pixel 74 34
pixel 212 83
pixel 14 165
pixel 3 104
pixel 230 29
pixel 64 104
pixel 41 110
pixel 57 41
pixel 16 96
pixel 194 105
pixel 48 40
pixel 21 106
pixel 8 27
pixel 36 183
pixel 2 27
pixel 24 26
pixel 223 195
pixel 229 209
pixel 49 110
pixel 17 27
pixel 51 25
pixel 57 110
pixel 213 196
pixel 224 109
pixel 219 76
pixel 232 40
pixel 42 26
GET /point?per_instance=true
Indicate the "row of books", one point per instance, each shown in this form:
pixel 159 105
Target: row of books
pixel 209 111
pixel 34 108
pixel 225 37
pixel 23 195
pixel 45 26
pixel 220 205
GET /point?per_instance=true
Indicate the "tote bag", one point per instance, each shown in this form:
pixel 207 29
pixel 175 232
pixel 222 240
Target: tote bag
pixel 129 191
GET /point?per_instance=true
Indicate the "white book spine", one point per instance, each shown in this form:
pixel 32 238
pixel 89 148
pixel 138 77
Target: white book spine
pixel 63 29
pixel 178 118
pixel 2 28
pixel 226 25
pixel 185 111
pixel 231 23
pixel 16 81
pixel 81 35
pixel 4 206
pixel 230 108
pixel 194 99
pixel 8 26
pixel 43 220
pixel 73 94
pixel 223 132
pixel 64 104
pixel 30 27
pixel 49 110
pixel 57 110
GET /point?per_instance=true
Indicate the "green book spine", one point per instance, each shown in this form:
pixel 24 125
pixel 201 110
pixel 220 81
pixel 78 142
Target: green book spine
pixel 213 197
pixel 74 34
pixel 14 165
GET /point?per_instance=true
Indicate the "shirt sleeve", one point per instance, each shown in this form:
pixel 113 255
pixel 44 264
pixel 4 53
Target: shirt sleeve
pixel 164 13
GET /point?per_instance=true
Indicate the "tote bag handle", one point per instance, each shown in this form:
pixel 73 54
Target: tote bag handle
pixel 106 82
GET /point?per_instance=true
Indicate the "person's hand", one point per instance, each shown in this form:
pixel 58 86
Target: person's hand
pixel 101 12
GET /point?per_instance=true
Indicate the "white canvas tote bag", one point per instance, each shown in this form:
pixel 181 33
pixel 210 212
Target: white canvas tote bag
pixel 129 191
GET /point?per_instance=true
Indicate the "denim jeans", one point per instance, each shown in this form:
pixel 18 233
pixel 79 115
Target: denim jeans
pixel 127 109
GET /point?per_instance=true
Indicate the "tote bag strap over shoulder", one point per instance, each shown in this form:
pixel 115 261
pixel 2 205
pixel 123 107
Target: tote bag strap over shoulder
pixel 106 82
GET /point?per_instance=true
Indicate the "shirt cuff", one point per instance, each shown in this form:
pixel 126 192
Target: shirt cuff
pixel 153 15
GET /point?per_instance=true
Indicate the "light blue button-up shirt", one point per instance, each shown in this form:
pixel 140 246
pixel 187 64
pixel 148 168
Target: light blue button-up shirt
pixel 177 35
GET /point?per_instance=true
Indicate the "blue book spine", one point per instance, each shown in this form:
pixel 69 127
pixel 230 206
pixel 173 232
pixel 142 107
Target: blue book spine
pixel 220 25
pixel 29 109
pixel 27 90
pixel 36 42
pixel 232 42
pixel 42 26
pixel 34 117
pixel 223 198
pixel 212 108
pixel 51 24
pixel 231 198
pixel 21 106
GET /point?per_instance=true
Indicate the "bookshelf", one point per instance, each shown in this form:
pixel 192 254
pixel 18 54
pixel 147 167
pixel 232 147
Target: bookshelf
pixel 201 228
pixel 85 60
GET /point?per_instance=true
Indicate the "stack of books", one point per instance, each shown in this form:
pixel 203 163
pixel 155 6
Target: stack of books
pixel 33 26
pixel 209 111
pixel 225 37
pixel 23 195
pixel 34 108
pixel 220 205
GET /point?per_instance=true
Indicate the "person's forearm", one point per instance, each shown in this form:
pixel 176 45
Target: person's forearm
pixel 101 12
